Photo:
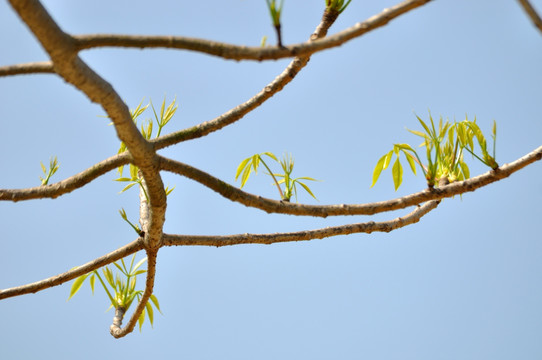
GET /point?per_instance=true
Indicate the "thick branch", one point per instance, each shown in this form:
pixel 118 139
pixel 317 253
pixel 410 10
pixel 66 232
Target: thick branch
pixel 273 206
pixel 29 68
pixel 531 12
pixel 68 185
pixel 63 52
pixel 368 227
pixel 115 328
pixel 60 279
pixel 235 52
pixel 239 111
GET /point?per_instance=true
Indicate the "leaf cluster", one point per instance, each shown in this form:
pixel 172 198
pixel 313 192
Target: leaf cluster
pixel 47 173
pixel 251 164
pixel 337 5
pixel 275 10
pixel 120 288
pixel 166 113
pixel 445 146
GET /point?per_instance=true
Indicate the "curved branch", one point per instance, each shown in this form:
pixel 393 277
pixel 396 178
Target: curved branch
pixel 115 328
pixel 60 279
pixel 273 206
pixel 531 12
pixel 235 52
pixel 43 67
pixel 67 185
pixel 224 50
pixel 239 111
pixel 62 49
pixel 368 227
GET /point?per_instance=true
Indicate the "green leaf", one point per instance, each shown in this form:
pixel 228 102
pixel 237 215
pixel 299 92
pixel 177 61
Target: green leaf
pixel 255 162
pixel 120 268
pixel 378 169
pixel 246 175
pixel 168 190
pixel 155 302
pixel 109 276
pixel 388 159
pixel 127 187
pixel 150 312
pixel 411 162
pixel 271 155
pixel 397 173
pixel 494 129
pixel 465 170
pixel 141 319
pixel 307 189
pixel 241 167
pixel 139 263
pixel 92 280
pixel 427 131
pixel 405 147
pixel 76 286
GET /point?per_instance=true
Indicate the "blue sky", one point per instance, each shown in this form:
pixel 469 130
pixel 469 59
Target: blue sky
pixel 464 283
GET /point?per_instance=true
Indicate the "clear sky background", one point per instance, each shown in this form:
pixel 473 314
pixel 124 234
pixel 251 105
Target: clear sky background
pixel 464 283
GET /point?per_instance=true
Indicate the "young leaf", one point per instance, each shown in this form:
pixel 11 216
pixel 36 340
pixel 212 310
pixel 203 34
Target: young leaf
pixel 411 162
pixel 155 302
pixel 77 285
pixel 150 312
pixel 139 263
pixel 141 319
pixel 378 169
pixel 271 155
pixel 241 167
pixel 427 131
pixel 397 173
pixel 306 189
pixel 92 280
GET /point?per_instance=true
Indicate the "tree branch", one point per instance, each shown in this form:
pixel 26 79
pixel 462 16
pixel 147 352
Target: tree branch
pixel 115 328
pixel 60 279
pixel 239 111
pixel 531 12
pixel 235 52
pixel 62 49
pixel 273 206
pixel 368 227
pixel 68 185
pixel 44 67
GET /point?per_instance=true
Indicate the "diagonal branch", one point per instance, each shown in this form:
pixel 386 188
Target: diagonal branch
pixel 273 206
pixel 235 52
pixel 531 12
pixel 67 185
pixel 44 67
pixel 62 49
pixel 368 227
pixel 239 111
pixel 60 279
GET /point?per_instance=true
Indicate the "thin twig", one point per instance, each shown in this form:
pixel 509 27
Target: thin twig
pixel 231 116
pixel 531 12
pixel 43 67
pixel 368 227
pixel 67 185
pixel 236 52
pixel 60 279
